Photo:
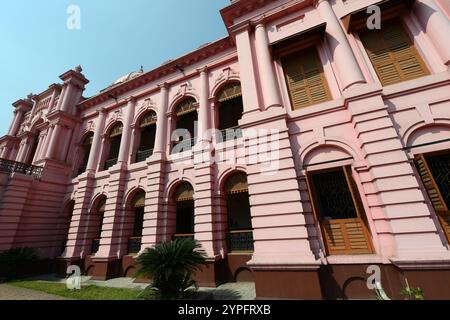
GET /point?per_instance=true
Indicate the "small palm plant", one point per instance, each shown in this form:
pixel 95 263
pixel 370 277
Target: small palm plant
pixel 171 265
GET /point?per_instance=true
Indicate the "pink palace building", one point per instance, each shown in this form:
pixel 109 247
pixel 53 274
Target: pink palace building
pixel 299 150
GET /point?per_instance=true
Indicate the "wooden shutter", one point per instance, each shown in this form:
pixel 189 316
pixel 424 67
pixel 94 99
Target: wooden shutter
pixel 186 106
pixel 148 119
pixel 305 79
pixel 392 53
pixel 434 194
pixel 184 193
pixel 139 200
pixel 116 130
pixel 101 206
pixel 237 183
pixel 230 91
pixel 342 236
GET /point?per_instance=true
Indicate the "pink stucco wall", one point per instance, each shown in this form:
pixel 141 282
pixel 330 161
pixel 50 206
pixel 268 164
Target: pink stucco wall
pixel 365 123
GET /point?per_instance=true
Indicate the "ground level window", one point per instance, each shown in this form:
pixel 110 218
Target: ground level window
pixel 434 169
pixel 338 208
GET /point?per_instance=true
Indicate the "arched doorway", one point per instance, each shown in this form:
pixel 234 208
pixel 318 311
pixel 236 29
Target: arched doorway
pixel 230 110
pixel 147 127
pixel 240 230
pixel 186 117
pixel 138 210
pixel 183 198
pixel 85 152
pixel 115 137
pixel 97 218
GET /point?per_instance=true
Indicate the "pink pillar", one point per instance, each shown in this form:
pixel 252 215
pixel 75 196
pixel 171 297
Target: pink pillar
pixel 61 97
pixel 18 117
pixel 160 142
pixel 269 86
pixel 247 72
pixel 22 156
pixel 344 60
pixel 54 138
pixel 436 25
pixel 47 142
pixel 204 114
pixel 37 155
pixel 127 131
pixel 43 145
pixel 66 98
pixel 96 141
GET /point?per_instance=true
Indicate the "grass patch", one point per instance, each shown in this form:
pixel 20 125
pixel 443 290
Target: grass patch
pixel 89 292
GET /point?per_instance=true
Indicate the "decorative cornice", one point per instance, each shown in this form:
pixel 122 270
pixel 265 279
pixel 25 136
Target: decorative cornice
pixel 240 8
pixel 196 56
pixel 243 7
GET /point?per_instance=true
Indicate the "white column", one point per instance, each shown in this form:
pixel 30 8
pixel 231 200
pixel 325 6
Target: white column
pixel 96 141
pixel 126 134
pixel 203 114
pixel 345 62
pixel 161 121
pixel 269 85
pixel 436 25
pixel 247 72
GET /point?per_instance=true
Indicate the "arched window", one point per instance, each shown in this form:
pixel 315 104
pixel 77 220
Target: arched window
pixel 97 224
pixel 186 117
pixel 230 112
pixel 184 201
pixel 147 128
pixel 240 231
pixel 115 137
pixel 85 152
pixel 137 206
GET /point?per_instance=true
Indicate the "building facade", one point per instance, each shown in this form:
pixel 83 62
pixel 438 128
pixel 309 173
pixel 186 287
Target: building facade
pixel 299 150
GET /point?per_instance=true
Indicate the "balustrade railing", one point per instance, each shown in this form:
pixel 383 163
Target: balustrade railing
pixel 110 162
pixel 134 245
pixel 240 241
pixel 231 133
pixel 142 155
pixel 18 167
pixel 184 145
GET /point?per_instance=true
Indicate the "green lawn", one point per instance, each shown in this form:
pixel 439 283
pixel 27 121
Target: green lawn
pixel 86 293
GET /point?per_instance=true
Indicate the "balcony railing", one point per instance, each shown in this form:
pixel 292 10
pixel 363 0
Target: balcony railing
pixel 184 145
pixel 109 163
pixel 95 246
pixel 18 167
pixel 134 245
pixel 143 155
pixel 240 241
pixel 231 133
pixel 183 236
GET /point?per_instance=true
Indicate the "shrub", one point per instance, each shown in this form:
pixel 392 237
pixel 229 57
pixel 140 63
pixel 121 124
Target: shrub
pixel 14 260
pixel 171 265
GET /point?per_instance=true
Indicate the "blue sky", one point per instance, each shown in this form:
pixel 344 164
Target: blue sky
pixel 116 37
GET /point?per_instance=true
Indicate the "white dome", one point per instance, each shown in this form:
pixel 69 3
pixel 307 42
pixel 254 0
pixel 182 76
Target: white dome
pixel 128 77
